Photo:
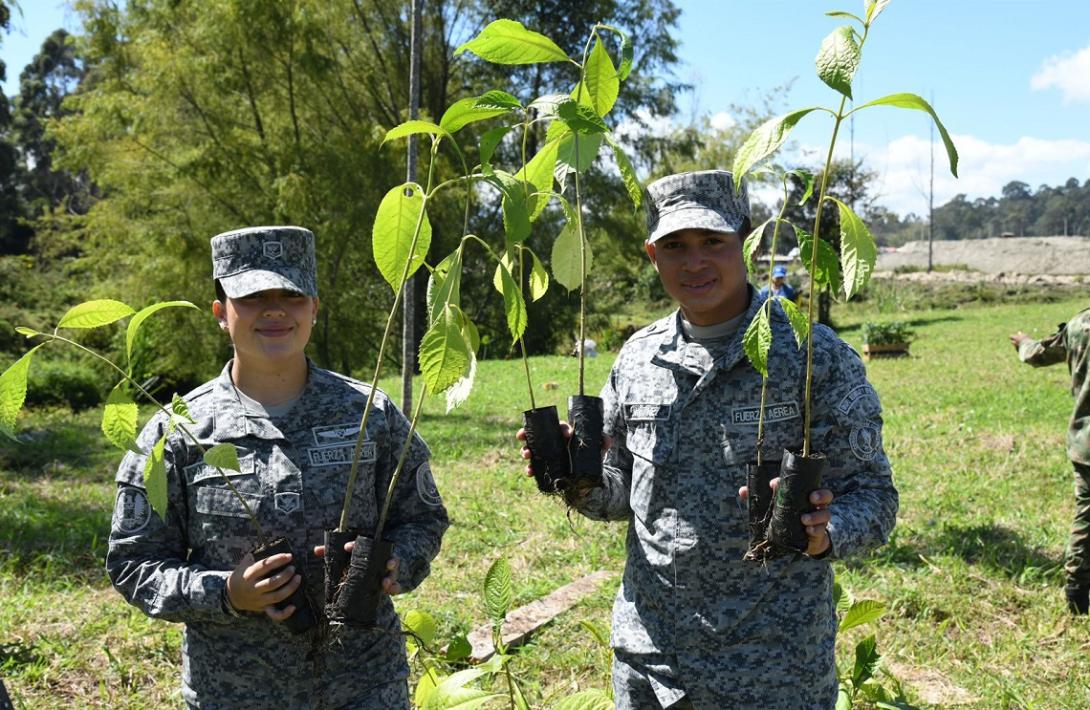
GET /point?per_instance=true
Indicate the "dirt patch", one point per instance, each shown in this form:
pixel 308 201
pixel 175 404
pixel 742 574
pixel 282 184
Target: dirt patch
pixel 932 687
pixel 1025 255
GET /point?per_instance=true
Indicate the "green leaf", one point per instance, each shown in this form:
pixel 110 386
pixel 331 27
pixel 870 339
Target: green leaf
pixel 447 692
pixel 753 243
pixel 846 15
pixel 516 217
pixel 459 648
pixel 444 284
pixel 580 118
pixel 119 419
pixel 489 142
pixel 841 599
pixel 861 612
pixel 843 700
pixel 444 357
pixel 28 332
pixel 765 140
pixel 457 393
pixel 912 101
pixel 93 314
pixel 13 392
pixel 827 270
pixel 223 456
pixel 497 591
pixel 858 251
pixel 538 172
pixel 139 318
pixel 179 409
pixel 155 478
pixel 396 222
pixel 513 303
pixel 425 687
pixel 413 127
pixel 477 108
pixel 628 173
pixel 758 340
pixel 874 9
pixel 593 699
pixel 420 624
pixel 600 634
pixel 838 59
pixel 539 277
pixel 517 697
pixel 866 661
pixel 508 42
pixel 807 179
pixel 566 260
pixel 600 79
pixel 565 155
pixel 800 322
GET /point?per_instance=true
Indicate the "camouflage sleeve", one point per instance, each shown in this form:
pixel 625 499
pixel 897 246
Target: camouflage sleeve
pixel 146 555
pixel 847 428
pixel 417 517
pixel 611 501
pixel 1047 351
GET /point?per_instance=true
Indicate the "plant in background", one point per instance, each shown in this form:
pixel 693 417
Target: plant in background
pixel 121 413
pixel 576 132
pixel 889 333
pixel 845 274
pixel 859 679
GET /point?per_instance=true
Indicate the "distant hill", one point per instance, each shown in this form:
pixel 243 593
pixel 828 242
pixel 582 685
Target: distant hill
pixel 1023 255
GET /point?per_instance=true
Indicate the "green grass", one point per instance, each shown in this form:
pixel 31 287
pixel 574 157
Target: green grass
pixel 972 577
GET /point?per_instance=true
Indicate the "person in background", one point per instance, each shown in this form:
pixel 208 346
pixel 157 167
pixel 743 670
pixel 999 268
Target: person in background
pixel 1071 343
pixel 780 287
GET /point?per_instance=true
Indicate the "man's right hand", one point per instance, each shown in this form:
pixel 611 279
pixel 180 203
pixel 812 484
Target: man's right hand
pixel 251 587
pixel 1017 338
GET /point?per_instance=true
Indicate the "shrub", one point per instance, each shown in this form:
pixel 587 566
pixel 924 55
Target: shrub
pixel 61 382
pixel 886 333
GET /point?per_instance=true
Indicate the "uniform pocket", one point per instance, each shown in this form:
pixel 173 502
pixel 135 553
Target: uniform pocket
pixel 212 500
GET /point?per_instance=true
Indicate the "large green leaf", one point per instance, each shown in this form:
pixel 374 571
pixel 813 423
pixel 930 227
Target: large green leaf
pixel 155 478
pixel 874 9
pixel 858 251
pixel 13 392
pixel 514 304
pixel 753 243
pixel 93 314
pixel 457 393
pixel 142 315
pixel 445 284
pixel 566 161
pixel 497 591
pixel 827 270
pixel 628 172
pixel 444 356
pixel 765 140
pixel 861 612
pixel 223 456
pixel 580 118
pixel 489 141
pixel 566 260
pixel 399 217
pixel 119 419
pixel 866 661
pixel 508 42
pixel 478 108
pixel 516 217
pixel 413 127
pixel 593 699
pixel 425 687
pixel 912 101
pixel 420 624
pixel 539 277
pixel 757 341
pixel 601 80
pixel 838 59
pixel 538 172
pixel 800 323
pixel 451 692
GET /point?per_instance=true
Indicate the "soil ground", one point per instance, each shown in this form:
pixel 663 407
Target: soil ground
pixel 1012 257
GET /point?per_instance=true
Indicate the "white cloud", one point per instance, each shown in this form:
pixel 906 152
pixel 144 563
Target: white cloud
pixel 1068 73
pixel 903 167
pixel 722 121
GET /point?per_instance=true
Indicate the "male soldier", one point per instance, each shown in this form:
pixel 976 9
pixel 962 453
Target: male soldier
pixel 780 287
pixel 295 426
pixel 693 625
pixel 1070 343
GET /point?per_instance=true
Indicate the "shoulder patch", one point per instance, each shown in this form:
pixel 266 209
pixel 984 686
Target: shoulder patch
pixel 425 486
pixel 863 392
pixel 132 511
pixel 865 441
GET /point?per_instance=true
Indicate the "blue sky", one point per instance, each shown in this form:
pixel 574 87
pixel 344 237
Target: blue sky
pixel 1010 79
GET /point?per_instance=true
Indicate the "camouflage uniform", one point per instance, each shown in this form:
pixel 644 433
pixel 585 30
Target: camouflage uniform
pixel 294 468
pixel 1070 343
pixel 693 623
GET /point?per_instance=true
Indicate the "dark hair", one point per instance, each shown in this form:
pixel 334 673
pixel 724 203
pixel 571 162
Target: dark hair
pixel 743 229
pixel 221 296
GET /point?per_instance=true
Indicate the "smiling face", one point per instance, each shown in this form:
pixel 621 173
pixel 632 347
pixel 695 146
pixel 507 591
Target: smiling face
pixel 704 272
pixel 269 329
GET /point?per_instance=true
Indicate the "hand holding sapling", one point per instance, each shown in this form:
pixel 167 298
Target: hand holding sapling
pixel 262 585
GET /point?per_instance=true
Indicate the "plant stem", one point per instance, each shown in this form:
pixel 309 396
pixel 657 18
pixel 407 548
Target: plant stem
pixel 353 472
pixel 522 339
pixel 400 464
pixel 226 479
pixel 579 225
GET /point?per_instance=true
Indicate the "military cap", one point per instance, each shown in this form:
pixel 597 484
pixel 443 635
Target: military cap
pixel 705 199
pixel 254 259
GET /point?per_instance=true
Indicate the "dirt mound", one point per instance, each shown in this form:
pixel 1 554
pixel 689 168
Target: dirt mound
pixel 1013 255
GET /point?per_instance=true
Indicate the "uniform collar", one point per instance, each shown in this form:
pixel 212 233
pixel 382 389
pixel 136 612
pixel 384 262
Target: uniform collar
pixel 231 419
pixel 673 351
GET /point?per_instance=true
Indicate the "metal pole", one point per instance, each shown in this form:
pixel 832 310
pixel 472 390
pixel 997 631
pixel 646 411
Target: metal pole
pixel 408 305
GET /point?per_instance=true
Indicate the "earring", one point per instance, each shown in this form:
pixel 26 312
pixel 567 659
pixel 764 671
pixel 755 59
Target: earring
pixel 314 321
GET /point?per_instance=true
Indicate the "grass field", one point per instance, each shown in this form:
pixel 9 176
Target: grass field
pixel 973 576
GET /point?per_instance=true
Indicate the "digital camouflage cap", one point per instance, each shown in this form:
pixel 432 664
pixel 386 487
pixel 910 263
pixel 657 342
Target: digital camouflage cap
pixel 254 259
pixel 705 199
